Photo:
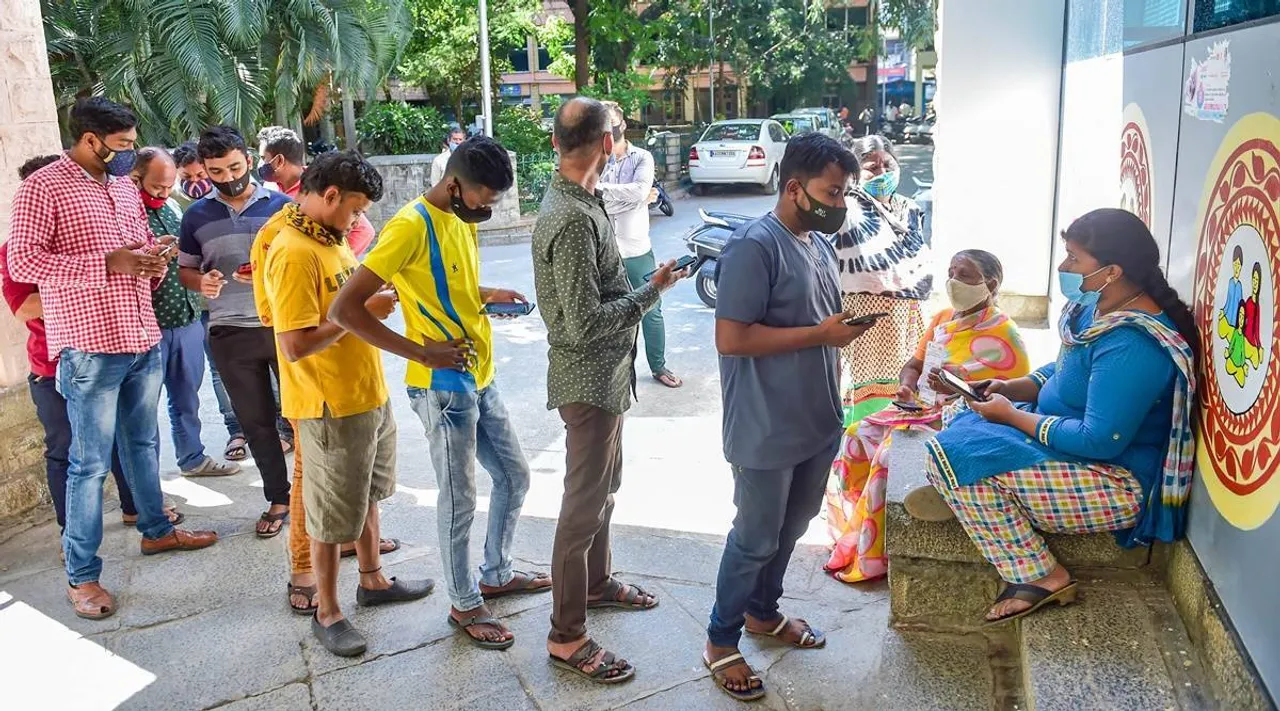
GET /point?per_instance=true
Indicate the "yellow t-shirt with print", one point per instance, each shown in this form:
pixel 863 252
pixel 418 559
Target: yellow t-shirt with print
pixel 433 260
pixel 300 279
pixel 257 258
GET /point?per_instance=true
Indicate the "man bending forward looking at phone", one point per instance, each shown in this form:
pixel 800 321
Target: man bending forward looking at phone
pixel 778 330
pixel 430 252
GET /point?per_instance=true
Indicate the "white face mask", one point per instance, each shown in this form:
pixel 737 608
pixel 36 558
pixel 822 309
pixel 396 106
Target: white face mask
pixel 966 296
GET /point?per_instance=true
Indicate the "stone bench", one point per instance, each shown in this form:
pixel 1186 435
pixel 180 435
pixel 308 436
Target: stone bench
pixel 937 578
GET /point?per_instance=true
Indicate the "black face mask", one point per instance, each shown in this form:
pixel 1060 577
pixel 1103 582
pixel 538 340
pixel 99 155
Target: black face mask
pixel 465 213
pixel 821 217
pixel 233 188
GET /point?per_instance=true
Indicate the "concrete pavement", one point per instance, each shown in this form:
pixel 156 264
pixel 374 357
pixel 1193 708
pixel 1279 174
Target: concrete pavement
pixel 212 628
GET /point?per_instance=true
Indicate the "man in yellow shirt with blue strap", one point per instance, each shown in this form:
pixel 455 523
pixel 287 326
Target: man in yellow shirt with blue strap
pixel 430 252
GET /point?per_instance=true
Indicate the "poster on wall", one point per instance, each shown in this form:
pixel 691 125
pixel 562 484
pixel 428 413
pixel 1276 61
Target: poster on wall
pixel 1206 93
pixel 1236 294
pixel 1135 164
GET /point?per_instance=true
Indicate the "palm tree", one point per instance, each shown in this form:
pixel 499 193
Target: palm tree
pixel 184 64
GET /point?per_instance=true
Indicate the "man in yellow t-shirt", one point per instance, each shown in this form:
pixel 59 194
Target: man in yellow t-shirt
pixel 429 251
pixel 332 385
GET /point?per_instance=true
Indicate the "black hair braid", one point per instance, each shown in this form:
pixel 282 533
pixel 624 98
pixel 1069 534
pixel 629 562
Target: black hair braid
pixel 1167 298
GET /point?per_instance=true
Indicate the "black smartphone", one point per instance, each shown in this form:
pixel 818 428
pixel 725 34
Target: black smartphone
pixel 681 264
pixel 860 320
pixel 955 383
pixel 907 406
pixel 510 309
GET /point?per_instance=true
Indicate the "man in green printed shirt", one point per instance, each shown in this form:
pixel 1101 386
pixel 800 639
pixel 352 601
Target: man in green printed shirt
pixel 178 314
pixel 592 315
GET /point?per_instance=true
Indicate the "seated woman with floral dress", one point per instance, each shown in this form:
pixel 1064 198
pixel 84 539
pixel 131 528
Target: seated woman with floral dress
pixel 1101 440
pixel 974 340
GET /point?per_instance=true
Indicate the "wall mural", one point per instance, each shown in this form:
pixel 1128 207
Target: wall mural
pixel 1135 164
pixel 1236 294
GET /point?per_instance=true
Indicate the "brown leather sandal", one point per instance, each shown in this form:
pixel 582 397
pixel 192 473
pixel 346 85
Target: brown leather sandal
pixel 91 601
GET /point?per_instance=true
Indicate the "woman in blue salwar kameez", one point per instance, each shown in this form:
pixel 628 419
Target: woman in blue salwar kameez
pixel 1100 440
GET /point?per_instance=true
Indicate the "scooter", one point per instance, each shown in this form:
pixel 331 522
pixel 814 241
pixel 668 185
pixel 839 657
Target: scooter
pixel 662 201
pixel 706 241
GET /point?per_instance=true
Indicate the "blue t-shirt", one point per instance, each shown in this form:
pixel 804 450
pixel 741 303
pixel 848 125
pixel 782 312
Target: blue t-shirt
pixel 782 409
pixel 214 236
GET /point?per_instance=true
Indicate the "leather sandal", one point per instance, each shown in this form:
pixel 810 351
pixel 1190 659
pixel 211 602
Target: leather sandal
pixel 463 627
pixel 307 591
pixel 521 583
pixel 755 685
pixel 810 638
pixel 91 601
pixel 630 601
pixel 609 663
pixel 1034 594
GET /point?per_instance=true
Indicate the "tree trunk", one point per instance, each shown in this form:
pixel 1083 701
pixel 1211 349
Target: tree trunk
pixel 581 46
pixel 349 134
pixel 873 71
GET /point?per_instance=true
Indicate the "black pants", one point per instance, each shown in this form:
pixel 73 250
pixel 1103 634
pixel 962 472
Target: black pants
pixel 246 360
pixel 51 410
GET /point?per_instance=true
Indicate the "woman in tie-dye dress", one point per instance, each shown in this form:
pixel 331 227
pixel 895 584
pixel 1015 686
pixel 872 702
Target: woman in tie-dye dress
pixel 885 267
pixel 976 341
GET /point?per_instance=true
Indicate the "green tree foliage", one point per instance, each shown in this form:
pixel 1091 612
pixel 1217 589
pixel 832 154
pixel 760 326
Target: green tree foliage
pixel 396 128
pixel 915 20
pixel 184 64
pixel 519 130
pixel 443 54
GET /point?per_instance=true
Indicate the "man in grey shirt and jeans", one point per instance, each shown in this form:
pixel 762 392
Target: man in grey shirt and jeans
pixel 217 234
pixel 778 330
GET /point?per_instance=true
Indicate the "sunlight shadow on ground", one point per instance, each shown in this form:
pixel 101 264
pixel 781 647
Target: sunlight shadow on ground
pixel 194 495
pixel 35 671
pixel 675 479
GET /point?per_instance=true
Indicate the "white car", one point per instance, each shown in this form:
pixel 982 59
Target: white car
pixel 739 151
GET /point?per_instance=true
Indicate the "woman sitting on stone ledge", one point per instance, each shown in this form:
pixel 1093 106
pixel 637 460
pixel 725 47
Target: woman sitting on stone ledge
pixel 973 339
pixel 1101 440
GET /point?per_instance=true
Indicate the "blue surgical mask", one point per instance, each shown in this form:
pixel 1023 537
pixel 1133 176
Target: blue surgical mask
pixel 1072 285
pixel 882 185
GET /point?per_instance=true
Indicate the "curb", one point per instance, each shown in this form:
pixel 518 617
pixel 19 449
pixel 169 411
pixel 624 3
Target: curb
pixel 502 239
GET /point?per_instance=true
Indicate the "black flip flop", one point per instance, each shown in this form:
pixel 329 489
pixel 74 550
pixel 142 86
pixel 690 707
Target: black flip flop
pixel 1034 594
pixel 481 643
pixel 609 662
pixel 529 578
pixel 271 518
pixel 309 591
pixel 717 675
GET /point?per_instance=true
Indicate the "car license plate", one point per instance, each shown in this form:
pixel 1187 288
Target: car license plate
pixel 723 154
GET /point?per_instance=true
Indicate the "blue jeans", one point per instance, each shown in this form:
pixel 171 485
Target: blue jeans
pixel 109 397
pixel 182 366
pixel 51 410
pixel 774 510
pixel 463 427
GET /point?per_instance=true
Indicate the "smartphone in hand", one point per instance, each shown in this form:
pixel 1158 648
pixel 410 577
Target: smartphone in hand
pixel 868 319
pixel 954 382
pixel 681 264
pixel 510 309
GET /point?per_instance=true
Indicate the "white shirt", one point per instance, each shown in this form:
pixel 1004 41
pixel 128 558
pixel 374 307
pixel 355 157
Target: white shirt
pixel 626 183
pixel 437 168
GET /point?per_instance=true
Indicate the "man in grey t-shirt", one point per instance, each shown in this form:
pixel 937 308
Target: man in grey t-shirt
pixel 779 329
pixel 213 252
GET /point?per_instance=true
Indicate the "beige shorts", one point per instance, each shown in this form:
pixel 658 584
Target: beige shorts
pixel 350 463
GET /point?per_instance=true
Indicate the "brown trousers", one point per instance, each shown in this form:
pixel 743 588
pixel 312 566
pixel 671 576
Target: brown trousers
pixel 581 564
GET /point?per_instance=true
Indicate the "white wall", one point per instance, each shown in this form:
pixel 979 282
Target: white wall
pixel 999 82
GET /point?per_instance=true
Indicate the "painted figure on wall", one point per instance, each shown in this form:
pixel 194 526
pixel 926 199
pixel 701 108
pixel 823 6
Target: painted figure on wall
pixel 1235 291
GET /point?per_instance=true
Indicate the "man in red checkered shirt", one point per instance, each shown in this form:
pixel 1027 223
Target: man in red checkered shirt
pixel 79 233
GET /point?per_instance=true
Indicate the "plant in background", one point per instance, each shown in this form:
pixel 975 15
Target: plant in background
pixel 396 128
pixel 519 129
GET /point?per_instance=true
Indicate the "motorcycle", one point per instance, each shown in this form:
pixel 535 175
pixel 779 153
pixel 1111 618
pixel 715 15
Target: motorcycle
pixel 706 241
pixel 661 200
